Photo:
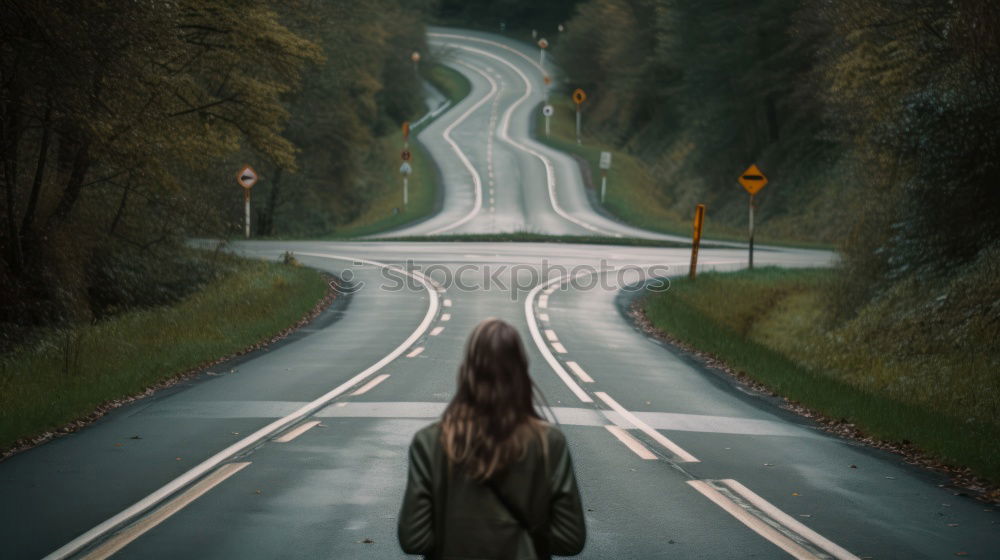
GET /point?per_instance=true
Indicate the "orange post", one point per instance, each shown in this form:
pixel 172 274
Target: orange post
pixel 699 219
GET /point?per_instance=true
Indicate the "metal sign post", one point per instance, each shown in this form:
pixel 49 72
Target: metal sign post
pixel 405 169
pixel 578 97
pixel 699 219
pixel 752 180
pixel 605 166
pixel 247 178
pixel 415 57
pixel 547 111
pixel 543 44
pixel 548 82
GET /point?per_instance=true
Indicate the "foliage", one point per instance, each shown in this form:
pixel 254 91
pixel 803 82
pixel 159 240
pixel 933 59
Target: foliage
pixel 876 120
pixel 122 124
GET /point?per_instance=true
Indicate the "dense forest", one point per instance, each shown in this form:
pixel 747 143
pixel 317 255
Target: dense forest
pixel 123 124
pixel 878 123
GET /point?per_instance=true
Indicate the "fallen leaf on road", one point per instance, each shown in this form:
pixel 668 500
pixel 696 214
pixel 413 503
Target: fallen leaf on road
pixel 258 491
pixel 795 493
pixel 768 464
pixel 119 444
pixel 136 437
pixel 854 466
pixel 366 541
pixel 953 524
pixel 805 515
pixel 177 459
pixel 891 477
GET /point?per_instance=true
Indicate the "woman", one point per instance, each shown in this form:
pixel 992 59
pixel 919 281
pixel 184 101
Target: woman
pixel 491 479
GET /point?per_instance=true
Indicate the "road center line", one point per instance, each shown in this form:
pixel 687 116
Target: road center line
pixel 207 465
pixel 635 445
pixel 477 181
pixel 415 352
pixel 436 330
pixel 297 431
pixel 123 538
pixel 370 385
pixel 551 335
pixel 789 521
pixel 575 368
pixel 753 522
pixel 536 336
pixel 679 453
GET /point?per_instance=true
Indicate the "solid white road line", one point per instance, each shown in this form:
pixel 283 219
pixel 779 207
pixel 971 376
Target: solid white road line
pixel 536 336
pixel 436 330
pixel 550 176
pixel 635 445
pixel 415 352
pixel 575 368
pixel 681 455
pixel 122 539
pixel 753 522
pixel 559 347
pixel 370 385
pixel 207 465
pixel 789 521
pixel 551 335
pixel 477 181
pixel 297 431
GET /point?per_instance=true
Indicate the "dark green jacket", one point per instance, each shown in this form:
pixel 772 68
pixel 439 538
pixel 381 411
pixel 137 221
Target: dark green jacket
pixel 448 516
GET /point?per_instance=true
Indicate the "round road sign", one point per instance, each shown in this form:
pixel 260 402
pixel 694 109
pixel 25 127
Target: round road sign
pixel 405 155
pixel 415 57
pixel 547 110
pixel 579 96
pixel 405 168
pixel 247 177
pixel 543 43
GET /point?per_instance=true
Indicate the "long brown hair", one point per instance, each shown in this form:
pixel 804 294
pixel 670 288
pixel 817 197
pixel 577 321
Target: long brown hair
pixel 492 416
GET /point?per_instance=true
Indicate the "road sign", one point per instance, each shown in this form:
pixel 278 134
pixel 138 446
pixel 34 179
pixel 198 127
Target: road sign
pixel 547 110
pixel 405 169
pixel 605 160
pixel 247 177
pixel 579 96
pixel 543 43
pixel 406 129
pixel 406 155
pixel 753 179
pixel 547 79
pixel 415 57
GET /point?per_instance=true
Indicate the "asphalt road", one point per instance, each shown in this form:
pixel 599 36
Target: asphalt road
pixel 299 451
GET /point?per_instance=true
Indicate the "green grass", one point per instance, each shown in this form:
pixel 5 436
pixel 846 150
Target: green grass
pixel 67 374
pixel 385 210
pixel 451 83
pixel 633 194
pixel 771 324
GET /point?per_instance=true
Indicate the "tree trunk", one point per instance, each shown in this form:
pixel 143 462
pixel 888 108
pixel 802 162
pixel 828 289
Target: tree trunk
pixel 81 164
pixel 121 207
pixel 10 125
pixel 36 185
pixel 272 200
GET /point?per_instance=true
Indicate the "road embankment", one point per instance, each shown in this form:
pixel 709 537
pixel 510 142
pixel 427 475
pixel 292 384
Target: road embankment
pixel 769 328
pixel 69 377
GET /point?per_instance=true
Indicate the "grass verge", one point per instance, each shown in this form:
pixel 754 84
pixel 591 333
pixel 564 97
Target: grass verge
pixel 769 324
pixel 633 195
pixel 386 210
pixel 68 374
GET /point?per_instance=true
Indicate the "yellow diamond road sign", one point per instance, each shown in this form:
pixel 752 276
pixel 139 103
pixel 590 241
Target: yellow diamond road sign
pixel 752 179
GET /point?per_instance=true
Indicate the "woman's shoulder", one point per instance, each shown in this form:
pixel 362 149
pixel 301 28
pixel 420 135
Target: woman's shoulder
pixel 428 436
pixel 555 437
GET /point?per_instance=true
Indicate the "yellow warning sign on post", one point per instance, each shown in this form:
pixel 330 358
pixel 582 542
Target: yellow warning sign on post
pixel 753 179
